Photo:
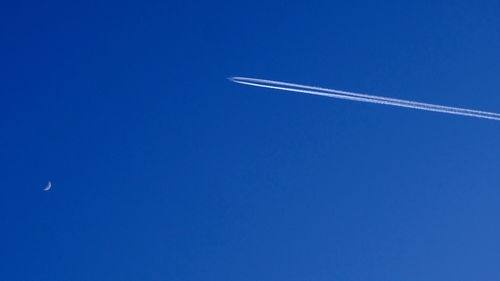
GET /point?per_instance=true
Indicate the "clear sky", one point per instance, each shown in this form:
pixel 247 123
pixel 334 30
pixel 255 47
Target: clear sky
pixel 162 169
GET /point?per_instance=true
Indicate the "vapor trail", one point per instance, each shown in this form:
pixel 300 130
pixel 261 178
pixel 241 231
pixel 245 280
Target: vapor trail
pixel 363 97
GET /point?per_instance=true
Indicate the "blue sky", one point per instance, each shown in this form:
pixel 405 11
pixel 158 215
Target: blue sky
pixel 162 169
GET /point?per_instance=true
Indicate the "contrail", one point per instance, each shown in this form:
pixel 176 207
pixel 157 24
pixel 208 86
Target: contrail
pixel 362 97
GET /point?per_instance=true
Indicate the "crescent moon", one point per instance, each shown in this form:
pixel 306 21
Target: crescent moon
pixel 48 186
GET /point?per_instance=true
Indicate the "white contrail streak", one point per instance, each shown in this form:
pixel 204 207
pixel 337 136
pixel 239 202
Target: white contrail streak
pixel 362 97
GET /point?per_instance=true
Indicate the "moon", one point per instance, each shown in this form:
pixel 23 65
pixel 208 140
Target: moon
pixel 48 186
